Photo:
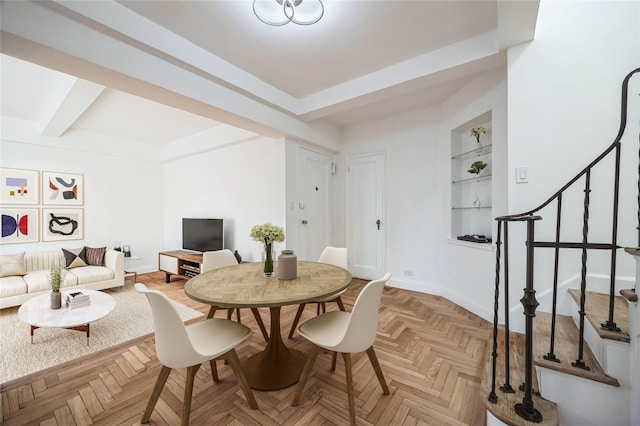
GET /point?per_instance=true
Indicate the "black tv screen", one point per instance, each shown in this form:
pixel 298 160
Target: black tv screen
pixel 202 234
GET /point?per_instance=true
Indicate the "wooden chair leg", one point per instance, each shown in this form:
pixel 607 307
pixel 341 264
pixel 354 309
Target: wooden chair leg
pixel 212 311
pixel 333 361
pixel 296 319
pixel 263 329
pixel 350 397
pixel 340 304
pixel 304 375
pixel 232 357
pixel 229 313
pixel 376 367
pixel 157 390
pixel 188 393
pixel 214 371
pixel 238 316
pixel 324 307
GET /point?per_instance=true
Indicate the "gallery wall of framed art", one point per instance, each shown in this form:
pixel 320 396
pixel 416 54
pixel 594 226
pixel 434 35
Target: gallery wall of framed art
pixel 41 206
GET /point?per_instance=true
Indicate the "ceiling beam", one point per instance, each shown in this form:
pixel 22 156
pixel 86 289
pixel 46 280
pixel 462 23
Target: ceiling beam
pixel 73 98
pixel 62 40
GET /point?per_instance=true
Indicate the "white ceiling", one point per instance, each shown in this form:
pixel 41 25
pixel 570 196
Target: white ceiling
pixel 164 70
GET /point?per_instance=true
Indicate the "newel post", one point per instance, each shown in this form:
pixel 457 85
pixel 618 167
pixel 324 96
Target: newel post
pixel 525 409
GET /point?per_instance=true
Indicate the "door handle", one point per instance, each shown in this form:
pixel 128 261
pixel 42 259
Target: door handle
pixel 378 224
pixel 304 221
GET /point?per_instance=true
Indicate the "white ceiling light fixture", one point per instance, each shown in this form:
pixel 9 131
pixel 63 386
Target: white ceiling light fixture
pixel 281 12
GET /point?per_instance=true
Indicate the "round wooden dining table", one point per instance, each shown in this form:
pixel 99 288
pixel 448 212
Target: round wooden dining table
pixel 244 286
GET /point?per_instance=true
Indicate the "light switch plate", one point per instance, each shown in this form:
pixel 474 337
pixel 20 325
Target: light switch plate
pixel 522 174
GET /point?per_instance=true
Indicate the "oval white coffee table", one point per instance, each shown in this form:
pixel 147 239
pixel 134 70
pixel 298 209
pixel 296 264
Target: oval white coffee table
pixel 37 312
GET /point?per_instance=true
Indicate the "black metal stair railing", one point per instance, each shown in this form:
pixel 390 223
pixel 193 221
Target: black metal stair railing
pixel 526 408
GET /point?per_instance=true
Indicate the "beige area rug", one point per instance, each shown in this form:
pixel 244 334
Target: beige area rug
pixel 130 318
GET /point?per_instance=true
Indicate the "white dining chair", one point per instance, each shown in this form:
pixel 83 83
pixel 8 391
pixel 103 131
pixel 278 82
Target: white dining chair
pixel 347 333
pixel 336 256
pixel 180 346
pixel 219 259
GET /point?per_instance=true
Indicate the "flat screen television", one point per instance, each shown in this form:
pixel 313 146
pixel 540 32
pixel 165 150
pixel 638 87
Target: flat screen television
pixel 202 234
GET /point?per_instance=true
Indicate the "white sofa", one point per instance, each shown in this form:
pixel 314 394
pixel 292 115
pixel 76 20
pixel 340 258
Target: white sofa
pixel 19 286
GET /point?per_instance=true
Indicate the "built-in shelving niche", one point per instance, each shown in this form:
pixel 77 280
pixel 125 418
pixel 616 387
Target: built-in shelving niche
pixel 471 194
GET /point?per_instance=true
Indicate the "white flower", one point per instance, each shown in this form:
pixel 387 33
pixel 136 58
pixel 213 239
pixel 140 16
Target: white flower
pixel 477 131
pixel 267 233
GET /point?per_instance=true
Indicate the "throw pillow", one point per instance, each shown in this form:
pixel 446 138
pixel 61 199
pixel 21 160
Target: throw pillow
pixel 95 256
pixel 12 264
pixel 75 257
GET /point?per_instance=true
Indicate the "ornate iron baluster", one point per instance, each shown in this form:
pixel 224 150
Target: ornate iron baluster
pixel 506 388
pixel 551 356
pixel 610 323
pixel 579 363
pixel 494 354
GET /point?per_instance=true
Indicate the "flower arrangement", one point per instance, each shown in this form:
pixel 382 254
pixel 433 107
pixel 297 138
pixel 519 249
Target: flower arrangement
pixel 267 234
pixel 476 132
pixel 477 167
pixel 56 276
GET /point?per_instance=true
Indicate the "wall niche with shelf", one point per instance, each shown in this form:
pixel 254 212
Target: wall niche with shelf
pixel 471 188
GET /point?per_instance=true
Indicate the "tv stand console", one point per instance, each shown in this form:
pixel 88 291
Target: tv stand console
pixel 183 263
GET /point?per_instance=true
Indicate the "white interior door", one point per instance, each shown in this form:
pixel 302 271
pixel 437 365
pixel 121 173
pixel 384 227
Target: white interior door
pixel 315 204
pixel 365 216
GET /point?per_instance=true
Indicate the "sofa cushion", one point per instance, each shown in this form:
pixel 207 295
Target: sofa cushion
pixel 42 260
pixel 95 256
pixel 12 265
pixel 39 281
pixel 91 274
pixel 12 286
pixel 75 258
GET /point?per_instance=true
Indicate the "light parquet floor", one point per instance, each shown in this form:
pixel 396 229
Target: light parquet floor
pixel 430 350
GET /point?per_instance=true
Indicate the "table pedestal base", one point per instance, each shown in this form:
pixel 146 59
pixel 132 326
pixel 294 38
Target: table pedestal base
pixel 84 328
pixel 277 367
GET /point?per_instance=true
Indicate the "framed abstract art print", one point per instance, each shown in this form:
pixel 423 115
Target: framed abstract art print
pixel 62 189
pixel 62 224
pixel 19 186
pixel 19 225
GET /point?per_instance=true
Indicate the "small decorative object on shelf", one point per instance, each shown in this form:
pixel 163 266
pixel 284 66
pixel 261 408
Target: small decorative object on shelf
pixel 127 251
pixel 116 246
pixel 267 234
pixel 476 202
pixel 475 238
pixel 476 132
pixel 477 167
pixel 56 278
pixel 287 265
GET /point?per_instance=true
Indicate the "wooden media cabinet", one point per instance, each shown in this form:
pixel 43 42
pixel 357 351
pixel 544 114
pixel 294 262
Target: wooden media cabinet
pixel 183 263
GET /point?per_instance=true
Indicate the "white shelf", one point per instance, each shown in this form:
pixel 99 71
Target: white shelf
pixel 469 207
pixel 472 179
pixel 476 152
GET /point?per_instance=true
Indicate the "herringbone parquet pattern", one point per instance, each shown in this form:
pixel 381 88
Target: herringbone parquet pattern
pixel 430 350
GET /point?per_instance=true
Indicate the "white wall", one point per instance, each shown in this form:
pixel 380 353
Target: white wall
pixel 242 183
pixel 417 149
pixel 412 200
pixel 122 196
pixel 564 110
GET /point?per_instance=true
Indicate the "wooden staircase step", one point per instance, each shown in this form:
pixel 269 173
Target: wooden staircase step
pixel 504 409
pixel 596 308
pixel 566 349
